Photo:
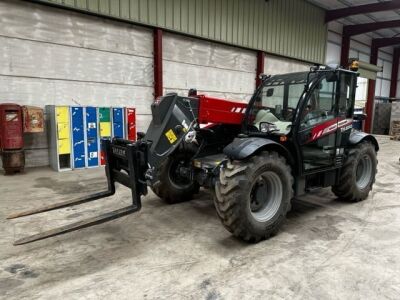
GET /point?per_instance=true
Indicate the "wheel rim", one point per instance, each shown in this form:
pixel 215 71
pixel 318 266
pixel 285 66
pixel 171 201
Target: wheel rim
pixel 175 177
pixel 364 172
pixel 266 196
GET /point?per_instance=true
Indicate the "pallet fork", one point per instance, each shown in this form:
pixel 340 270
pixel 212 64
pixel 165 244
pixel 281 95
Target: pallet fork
pixel 126 163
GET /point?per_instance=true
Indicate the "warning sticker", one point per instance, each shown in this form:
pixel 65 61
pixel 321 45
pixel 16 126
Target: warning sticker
pixel 171 136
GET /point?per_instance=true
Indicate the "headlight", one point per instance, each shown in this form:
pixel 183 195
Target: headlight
pixel 267 127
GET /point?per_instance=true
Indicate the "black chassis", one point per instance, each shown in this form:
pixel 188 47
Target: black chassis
pixel 250 143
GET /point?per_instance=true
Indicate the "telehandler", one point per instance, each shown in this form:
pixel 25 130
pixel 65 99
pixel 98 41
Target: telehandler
pixel 295 134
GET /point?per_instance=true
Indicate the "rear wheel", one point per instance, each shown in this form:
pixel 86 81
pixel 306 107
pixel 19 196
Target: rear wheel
pixel 172 187
pixel 253 196
pixel 358 173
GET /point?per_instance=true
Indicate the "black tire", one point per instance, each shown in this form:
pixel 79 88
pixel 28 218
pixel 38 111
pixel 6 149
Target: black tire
pixel 358 173
pixel 242 184
pixel 171 188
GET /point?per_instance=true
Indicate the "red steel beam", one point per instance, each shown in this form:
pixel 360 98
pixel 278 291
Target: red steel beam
pixel 260 66
pixel 375 45
pixel 395 73
pixel 385 42
pixel 370 105
pixel 335 14
pixel 345 50
pixel 158 66
pixel 371 90
pixel 350 30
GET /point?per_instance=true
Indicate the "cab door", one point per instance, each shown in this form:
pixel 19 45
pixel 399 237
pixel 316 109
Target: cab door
pixel 318 126
pixel 346 97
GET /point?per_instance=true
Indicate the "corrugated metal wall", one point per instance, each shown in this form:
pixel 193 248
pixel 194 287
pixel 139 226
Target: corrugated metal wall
pixel 214 69
pixel 293 28
pixel 48 56
pixel 278 65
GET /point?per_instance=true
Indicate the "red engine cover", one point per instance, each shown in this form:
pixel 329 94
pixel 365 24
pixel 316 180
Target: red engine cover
pixel 215 110
pixel 11 127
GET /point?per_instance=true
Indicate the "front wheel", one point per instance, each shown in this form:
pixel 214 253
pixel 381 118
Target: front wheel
pixel 172 187
pixel 253 196
pixel 357 175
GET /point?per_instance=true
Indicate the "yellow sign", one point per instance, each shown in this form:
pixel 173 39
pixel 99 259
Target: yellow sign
pixel 171 136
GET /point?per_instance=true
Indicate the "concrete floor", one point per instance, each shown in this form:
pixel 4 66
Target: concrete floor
pixel 326 250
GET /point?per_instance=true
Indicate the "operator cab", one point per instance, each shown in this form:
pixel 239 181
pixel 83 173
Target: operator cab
pixel 312 110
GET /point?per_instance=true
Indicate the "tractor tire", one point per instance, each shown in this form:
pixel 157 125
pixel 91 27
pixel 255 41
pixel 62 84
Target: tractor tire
pixel 171 187
pixel 253 196
pixel 357 174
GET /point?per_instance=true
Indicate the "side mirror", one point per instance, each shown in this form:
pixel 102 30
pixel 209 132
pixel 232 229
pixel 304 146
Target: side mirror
pixel 270 92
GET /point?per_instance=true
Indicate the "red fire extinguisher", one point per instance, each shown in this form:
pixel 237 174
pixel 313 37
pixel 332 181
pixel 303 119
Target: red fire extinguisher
pixel 11 138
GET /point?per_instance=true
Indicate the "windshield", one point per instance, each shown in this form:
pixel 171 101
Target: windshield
pixel 276 104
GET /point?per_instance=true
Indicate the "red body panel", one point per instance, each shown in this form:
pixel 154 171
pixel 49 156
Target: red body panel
pixel 11 127
pixel 215 110
pixel 131 124
pixel 328 127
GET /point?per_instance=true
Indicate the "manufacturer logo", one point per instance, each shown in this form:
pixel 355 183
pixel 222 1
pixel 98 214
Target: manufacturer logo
pixel 118 151
pixel 330 127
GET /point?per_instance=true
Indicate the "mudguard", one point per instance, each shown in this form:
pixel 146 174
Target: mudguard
pixel 357 137
pixel 242 148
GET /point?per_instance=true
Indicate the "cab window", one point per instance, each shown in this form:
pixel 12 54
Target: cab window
pixel 346 94
pixel 320 106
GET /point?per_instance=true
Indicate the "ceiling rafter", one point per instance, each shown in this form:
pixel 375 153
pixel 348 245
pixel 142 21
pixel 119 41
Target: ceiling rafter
pixel 351 30
pixel 385 42
pixel 380 43
pixel 361 9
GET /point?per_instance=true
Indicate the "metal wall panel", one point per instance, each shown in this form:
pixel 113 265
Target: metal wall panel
pixel 36 22
pixel 280 65
pixel 293 28
pixel 215 69
pixel 333 53
pixel 385 90
pixel 80 60
pixel 38 60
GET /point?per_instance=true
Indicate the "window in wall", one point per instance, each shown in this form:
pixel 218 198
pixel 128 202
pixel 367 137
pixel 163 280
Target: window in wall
pixel 385 88
pixel 378 87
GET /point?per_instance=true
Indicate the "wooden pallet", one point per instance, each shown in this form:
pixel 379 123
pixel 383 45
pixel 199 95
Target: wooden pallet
pixel 395 137
pixel 395 131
